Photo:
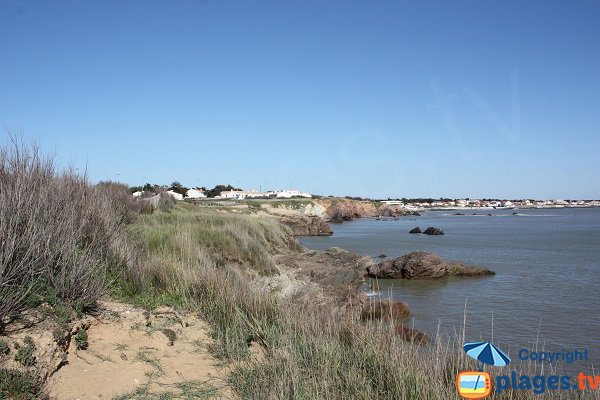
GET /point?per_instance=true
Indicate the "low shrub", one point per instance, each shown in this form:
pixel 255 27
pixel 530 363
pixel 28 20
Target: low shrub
pixel 25 354
pixel 81 339
pixel 4 348
pixel 18 385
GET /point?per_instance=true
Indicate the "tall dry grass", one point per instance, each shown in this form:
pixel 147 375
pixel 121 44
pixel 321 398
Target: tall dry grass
pixel 59 235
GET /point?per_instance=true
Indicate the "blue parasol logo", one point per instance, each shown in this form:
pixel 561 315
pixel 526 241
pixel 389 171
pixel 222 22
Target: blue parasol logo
pixel 486 353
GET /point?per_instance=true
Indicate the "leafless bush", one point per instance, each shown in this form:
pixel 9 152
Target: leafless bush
pixel 59 235
pixel 166 201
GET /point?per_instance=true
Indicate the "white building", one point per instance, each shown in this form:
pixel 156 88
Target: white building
pixel 137 194
pixel 175 195
pixel 195 194
pixel 286 194
pixel 280 194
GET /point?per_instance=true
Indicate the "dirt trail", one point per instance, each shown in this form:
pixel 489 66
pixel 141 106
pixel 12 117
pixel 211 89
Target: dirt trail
pixel 133 354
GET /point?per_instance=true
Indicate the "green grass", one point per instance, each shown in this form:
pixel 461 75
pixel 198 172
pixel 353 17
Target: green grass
pixel 25 354
pixel 18 385
pixel 81 339
pixel 4 348
pixel 188 390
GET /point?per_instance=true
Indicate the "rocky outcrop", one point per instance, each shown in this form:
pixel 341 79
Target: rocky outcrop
pixel 415 230
pixel 307 225
pixel 385 310
pixel 421 264
pixel 340 210
pixel 333 267
pixel 329 279
pixel 433 231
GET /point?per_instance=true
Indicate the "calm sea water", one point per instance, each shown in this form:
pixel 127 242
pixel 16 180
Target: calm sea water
pixel 547 284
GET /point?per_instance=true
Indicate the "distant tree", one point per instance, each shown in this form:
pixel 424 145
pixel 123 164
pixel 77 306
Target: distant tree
pixel 216 191
pixel 134 189
pixel 153 188
pixel 178 188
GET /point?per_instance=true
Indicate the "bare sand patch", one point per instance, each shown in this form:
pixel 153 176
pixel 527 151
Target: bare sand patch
pixel 133 350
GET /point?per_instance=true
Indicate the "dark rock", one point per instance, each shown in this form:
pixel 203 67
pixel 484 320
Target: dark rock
pixel 416 214
pixel 307 226
pixel 412 335
pixel 433 231
pixel 385 310
pixel 381 256
pixel 420 264
pixel 171 335
pixel 415 230
pixel 337 218
pixel 459 214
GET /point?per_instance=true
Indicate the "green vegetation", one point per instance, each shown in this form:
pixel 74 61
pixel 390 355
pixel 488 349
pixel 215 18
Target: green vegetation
pixel 17 385
pixel 294 204
pixel 189 390
pixel 24 354
pixel 4 348
pixel 178 188
pixel 81 339
pixel 216 191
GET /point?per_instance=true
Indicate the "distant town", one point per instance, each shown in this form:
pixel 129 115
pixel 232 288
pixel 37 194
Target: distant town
pixel 489 204
pixel 228 192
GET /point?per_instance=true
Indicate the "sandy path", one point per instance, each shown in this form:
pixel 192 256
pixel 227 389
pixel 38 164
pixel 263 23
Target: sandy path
pixel 130 350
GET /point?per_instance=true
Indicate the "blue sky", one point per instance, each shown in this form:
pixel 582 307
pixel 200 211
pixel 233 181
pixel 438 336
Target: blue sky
pixel 379 99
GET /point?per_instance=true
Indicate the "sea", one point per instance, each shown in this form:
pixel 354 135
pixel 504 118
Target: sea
pixel 545 296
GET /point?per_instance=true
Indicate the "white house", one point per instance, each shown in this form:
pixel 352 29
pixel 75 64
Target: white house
pixel 286 194
pixel 280 194
pixel 175 195
pixel 195 194
pixel 137 194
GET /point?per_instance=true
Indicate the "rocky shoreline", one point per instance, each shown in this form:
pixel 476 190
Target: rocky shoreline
pixel 313 218
pixel 332 279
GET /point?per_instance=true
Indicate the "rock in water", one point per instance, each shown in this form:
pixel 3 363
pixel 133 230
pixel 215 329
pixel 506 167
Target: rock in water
pixel 420 264
pixel 415 230
pixel 433 231
pixel 412 335
pixel 385 309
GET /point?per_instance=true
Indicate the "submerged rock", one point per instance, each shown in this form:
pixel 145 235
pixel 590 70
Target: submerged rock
pixel 420 264
pixel 433 231
pixel 415 230
pixel 385 310
pixel 412 335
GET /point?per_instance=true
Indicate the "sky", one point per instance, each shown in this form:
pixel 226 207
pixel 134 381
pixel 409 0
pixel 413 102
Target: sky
pixel 376 99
